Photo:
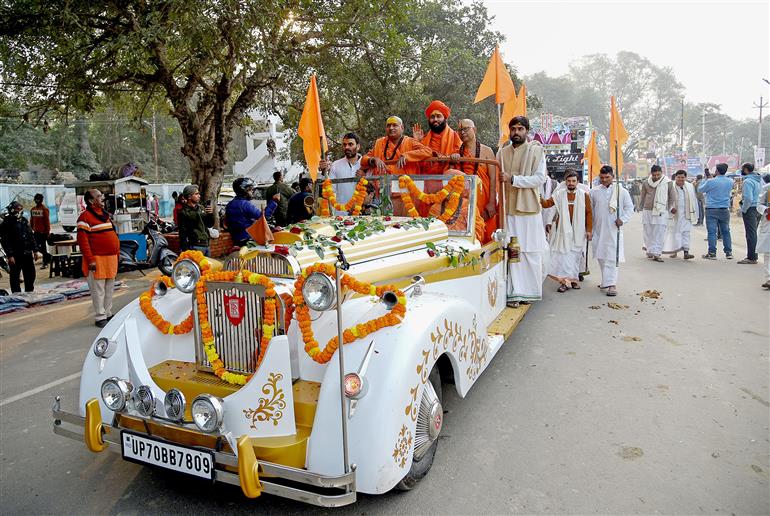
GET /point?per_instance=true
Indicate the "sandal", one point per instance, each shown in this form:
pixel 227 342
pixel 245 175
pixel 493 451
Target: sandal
pixel 562 288
pixel 611 292
pixel 657 259
pixel 575 286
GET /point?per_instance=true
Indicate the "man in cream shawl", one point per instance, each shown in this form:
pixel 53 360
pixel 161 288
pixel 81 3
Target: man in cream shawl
pixel 680 225
pixel 573 229
pixel 524 174
pixel 657 200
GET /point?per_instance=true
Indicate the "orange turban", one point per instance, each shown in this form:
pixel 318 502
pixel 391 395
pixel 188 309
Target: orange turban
pixel 439 106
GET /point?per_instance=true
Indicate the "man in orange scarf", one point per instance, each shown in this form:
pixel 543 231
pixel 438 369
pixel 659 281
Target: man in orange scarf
pixel 487 174
pixel 395 153
pixel 442 140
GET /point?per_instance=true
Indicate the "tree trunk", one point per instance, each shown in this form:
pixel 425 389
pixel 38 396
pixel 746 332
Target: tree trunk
pixel 208 176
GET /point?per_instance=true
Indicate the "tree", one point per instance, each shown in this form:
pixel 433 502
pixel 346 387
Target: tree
pixel 430 50
pixel 206 61
pixel 648 96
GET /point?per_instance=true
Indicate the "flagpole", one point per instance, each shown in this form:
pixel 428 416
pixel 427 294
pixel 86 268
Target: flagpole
pixel 500 180
pixel 617 209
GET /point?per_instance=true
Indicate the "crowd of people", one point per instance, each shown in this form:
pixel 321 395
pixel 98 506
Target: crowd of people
pixel 551 224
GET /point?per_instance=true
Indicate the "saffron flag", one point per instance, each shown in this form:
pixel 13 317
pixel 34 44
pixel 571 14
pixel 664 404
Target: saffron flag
pixel 311 130
pixel 509 110
pixel 592 159
pixel 497 81
pixel 618 136
pixel 516 106
pixel 521 104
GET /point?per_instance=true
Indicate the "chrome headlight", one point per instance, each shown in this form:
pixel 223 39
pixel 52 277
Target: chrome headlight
pixel 115 393
pixel 207 412
pixel 104 347
pixel 144 401
pixel 186 274
pixel 174 403
pixel 160 289
pixel 319 292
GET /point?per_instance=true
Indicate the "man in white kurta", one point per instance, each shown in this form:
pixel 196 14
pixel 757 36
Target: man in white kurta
pixel 657 200
pixel 524 173
pixel 681 222
pixel 345 168
pixel 611 207
pixel 572 230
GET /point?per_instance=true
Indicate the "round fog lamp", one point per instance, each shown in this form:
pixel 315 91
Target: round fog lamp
pixel 186 274
pixel 318 292
pixel 174 404
pixel 144 400
pixel 207 412
pixel 104 347
pixel 115 393
pixel 354 386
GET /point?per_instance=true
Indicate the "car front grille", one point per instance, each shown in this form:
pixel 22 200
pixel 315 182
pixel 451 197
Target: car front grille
pixel 237 335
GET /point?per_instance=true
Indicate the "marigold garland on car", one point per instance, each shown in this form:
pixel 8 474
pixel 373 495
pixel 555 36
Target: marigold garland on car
pixel 453 190
pixel 157 320
pixel 354 204
pixel 359 331
pixel 268 319
pixel 198 257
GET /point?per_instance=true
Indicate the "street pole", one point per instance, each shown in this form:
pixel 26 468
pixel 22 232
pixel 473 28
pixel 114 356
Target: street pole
pixel 703 139
pixel 761 105
pixel 681 127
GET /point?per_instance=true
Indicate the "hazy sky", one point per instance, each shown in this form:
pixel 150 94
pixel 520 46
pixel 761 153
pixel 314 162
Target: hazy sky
pixel 719 51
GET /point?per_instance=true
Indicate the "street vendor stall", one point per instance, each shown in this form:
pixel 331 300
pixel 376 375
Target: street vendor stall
pixel 126 201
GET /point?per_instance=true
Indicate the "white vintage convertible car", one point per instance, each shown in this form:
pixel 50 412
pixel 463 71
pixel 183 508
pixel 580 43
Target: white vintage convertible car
pixel 231 372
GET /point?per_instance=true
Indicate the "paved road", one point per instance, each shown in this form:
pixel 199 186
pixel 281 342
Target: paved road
pixel 661 407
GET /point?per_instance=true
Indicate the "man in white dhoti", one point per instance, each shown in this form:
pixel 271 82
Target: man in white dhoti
pixel 611 207
pixel 680 224
pixel 524 174
pixel 657 200
pixel 587 189
pixel 573 229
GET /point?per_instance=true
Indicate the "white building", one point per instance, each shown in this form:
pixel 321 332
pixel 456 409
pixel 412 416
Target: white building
pixel 267 152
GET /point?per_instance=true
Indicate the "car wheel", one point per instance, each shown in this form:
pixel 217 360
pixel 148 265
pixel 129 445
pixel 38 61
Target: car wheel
pixel 430 419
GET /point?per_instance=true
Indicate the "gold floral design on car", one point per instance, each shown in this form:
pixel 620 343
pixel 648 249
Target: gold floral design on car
pixel 413 408
pixel 403 446
pixel 492 291
pixel 271 407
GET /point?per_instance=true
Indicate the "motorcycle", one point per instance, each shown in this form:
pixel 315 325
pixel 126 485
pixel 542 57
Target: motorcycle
pixel 158 253
pixel 4 263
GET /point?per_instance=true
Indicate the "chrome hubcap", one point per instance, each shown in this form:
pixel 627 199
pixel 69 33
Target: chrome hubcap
pixel 429 421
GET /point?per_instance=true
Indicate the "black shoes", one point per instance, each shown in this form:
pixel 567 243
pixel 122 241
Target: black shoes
pixel 101 323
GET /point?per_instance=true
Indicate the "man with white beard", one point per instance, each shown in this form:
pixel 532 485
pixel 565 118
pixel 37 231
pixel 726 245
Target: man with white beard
pixel 573 229
pixel 611 207
pixel 680 225
pixel 657 200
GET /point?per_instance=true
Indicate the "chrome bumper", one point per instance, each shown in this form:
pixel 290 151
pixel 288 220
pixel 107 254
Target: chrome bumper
pixel 323 491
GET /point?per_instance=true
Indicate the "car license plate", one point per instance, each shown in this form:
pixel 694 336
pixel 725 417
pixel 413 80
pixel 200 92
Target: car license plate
pixel 147 450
